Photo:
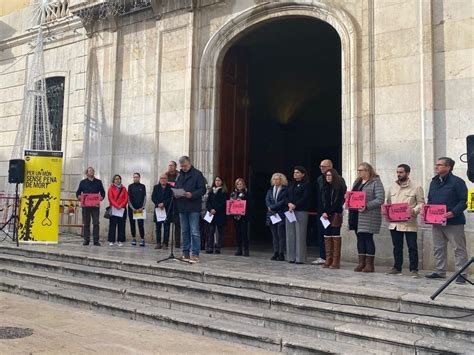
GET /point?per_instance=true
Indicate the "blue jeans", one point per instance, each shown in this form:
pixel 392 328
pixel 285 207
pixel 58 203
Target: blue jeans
pixel 190 232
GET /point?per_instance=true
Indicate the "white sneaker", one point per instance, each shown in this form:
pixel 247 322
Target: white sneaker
pixel 318 261
pixel 111 244
pixel 120 244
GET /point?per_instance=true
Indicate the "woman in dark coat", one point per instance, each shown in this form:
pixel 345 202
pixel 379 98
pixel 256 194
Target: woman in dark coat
pixel 333 194
pixel 162 197
pixel 215 205
pixel 276 203
pixel 241 221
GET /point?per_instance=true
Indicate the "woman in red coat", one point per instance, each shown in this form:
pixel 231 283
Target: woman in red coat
pixel 118 199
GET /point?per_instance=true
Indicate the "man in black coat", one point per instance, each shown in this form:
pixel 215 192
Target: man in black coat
pixel 189 204
pixel 90 185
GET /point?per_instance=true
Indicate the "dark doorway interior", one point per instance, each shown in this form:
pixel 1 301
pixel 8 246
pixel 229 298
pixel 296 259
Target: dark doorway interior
pixel 292 105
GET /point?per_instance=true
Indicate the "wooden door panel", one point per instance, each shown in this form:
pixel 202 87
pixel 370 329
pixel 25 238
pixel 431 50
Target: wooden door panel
pixel 233 132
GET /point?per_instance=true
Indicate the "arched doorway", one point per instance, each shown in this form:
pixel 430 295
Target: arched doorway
pixel 280 106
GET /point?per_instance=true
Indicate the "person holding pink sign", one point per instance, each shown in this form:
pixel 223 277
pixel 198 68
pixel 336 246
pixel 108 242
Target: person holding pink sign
pixel 403 190
pixel 451 191
pixel 241 220
pixel 366 221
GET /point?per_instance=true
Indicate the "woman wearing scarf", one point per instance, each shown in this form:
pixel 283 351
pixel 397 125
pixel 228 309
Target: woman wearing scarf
pixel 333 192
pixel 215 205
pixel 241 221
pixel 118 199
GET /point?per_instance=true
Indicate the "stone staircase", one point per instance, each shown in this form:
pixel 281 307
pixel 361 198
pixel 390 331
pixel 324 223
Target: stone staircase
pixel 278 314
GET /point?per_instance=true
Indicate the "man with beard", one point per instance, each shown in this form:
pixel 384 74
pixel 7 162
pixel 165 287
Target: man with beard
pixel 404 190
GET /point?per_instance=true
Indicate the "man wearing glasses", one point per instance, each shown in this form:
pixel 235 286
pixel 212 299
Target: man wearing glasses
pixel 450 190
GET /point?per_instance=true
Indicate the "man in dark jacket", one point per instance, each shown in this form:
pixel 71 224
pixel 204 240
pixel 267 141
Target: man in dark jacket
pixel 189 204
pixel 450 190
pixel 136 202
pixel 90 185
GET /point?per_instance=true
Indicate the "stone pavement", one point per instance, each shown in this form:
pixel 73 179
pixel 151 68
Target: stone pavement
pixel 59 329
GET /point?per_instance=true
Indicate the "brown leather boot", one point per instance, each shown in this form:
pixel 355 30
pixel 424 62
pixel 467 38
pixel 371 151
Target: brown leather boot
pixel 369 266
pixel 336 261
pixel 361 265
pixel 329 245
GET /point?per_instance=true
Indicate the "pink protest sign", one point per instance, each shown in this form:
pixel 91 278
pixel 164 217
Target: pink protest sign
pixel 396 212
pixel 236 207
pixel 90 200
pixel 355 199
pixel 172 183
pixel 433 214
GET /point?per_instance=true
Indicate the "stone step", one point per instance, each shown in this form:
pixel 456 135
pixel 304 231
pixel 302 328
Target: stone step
pixel 270 339
pixel 263 314
pixel 60 274
pixel 369 297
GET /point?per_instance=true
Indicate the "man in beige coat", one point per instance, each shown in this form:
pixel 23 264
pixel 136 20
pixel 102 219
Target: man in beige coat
pixel 404 190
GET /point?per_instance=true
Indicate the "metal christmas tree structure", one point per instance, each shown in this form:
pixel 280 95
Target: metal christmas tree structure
pixel 34 129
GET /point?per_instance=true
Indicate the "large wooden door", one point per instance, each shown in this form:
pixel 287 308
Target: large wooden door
pixel 233 132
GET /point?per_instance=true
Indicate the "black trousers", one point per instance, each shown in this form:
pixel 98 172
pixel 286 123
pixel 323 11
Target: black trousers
pixel 117 228
pixel 279 237
pixel 397 240
pixel 242 236
pixel 217 243
pixel 365 244
pixel 140 222
pixel 87 214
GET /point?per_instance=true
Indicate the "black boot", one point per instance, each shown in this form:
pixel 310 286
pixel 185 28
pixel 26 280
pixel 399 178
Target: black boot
pixel 246 252
pixel 281 257
pixel 238 252
pixel 274 257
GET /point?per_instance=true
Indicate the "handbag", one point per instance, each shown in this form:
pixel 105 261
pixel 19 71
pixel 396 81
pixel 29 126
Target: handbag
pixel 108 209
pixel 336 220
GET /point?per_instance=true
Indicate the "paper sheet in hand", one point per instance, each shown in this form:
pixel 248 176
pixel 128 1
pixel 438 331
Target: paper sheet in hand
pixel 178 192
pixel 290 216
pixel 325 222
pixel 275 218
pixel 208 217
pixel 118 212
pixel 139 215
pixel 160 214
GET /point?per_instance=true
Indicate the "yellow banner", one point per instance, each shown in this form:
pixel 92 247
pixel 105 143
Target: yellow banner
pixel 39 210
pixel 470 201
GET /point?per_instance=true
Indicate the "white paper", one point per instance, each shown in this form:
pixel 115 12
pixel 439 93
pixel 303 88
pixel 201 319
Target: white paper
pixel 139 215
pixel 118 212
pixel 325 222
pixel 290 216
pixel 275 218
pixel 178 192
pixel 160 214
pixel 208 217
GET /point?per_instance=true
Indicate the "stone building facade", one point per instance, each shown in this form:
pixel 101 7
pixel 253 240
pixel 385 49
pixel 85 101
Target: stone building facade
pixel 144 86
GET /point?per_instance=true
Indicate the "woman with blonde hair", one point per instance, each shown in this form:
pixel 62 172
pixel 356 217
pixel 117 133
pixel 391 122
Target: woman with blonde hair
pixel 241 221
pixel 366 221
pixel 276 203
